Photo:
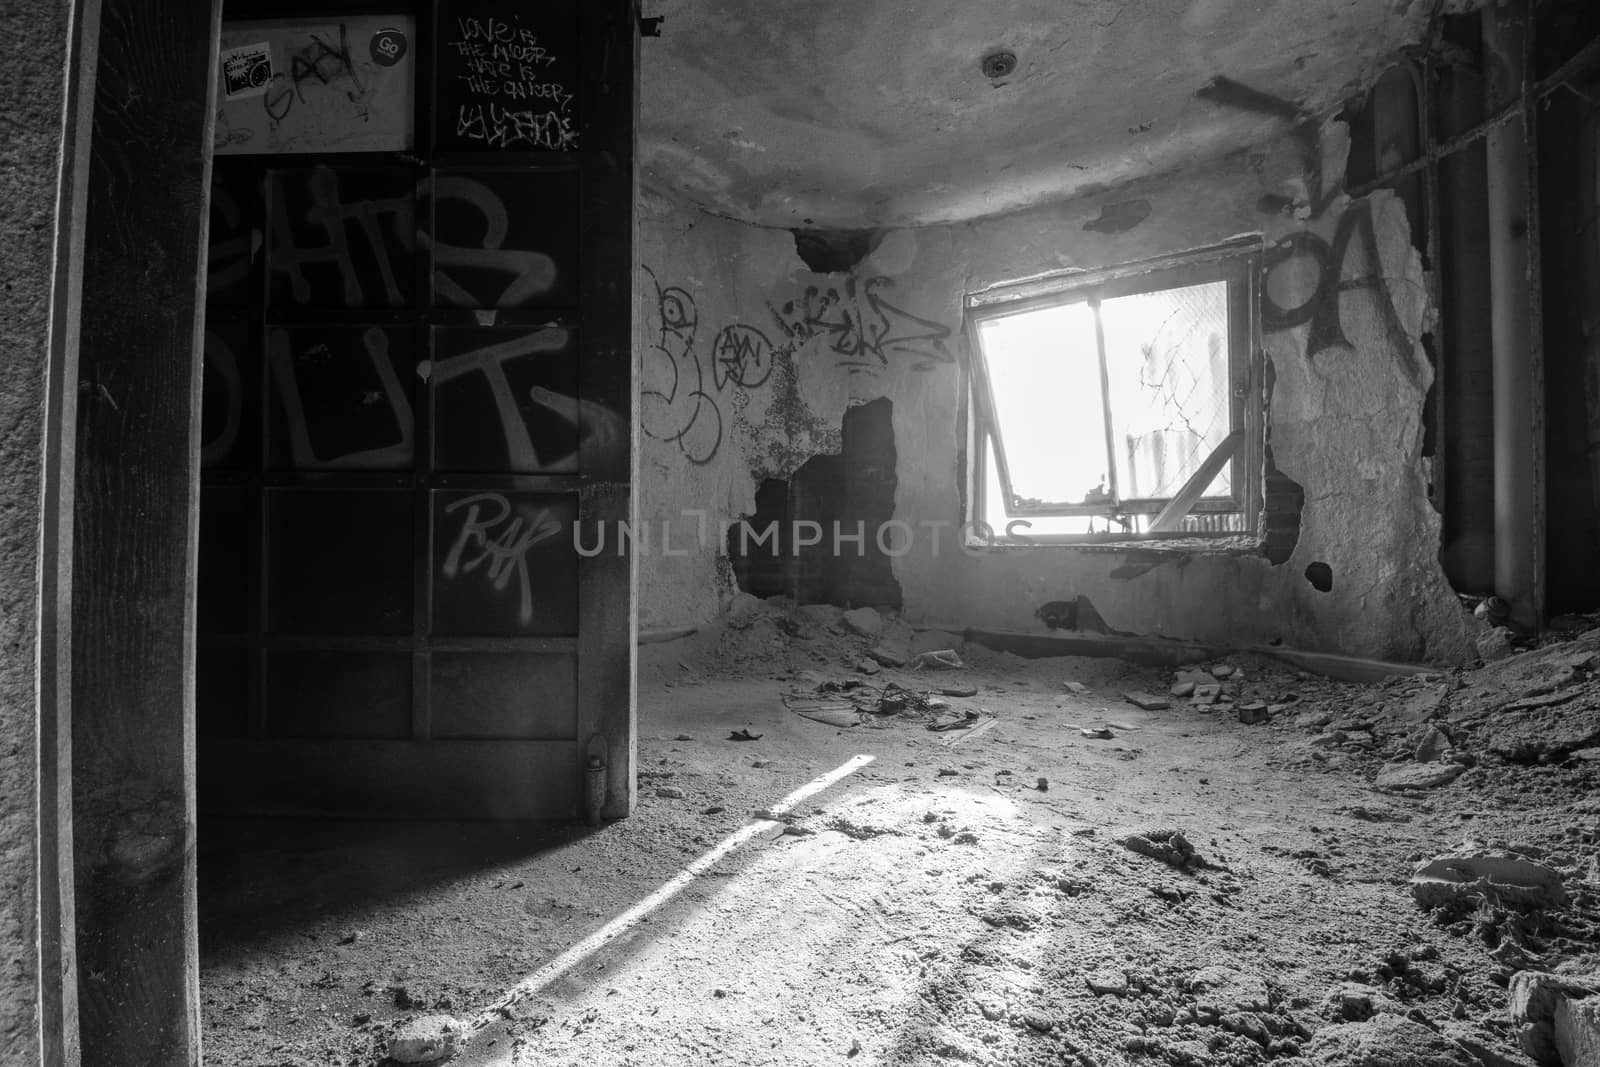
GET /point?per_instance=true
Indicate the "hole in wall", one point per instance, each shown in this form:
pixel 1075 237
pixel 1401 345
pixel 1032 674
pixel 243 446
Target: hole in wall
pixel 1281 504
pixel 759 568
pixel 834 251
pixel 849 497
pixel 1320 575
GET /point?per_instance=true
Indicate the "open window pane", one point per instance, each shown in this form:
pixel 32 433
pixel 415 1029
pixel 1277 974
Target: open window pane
pixel 1043 370
pixel 999 523
pixel 1167 368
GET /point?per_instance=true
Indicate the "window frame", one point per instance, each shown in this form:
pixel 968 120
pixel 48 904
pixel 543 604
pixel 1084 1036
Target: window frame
pixel 1238 263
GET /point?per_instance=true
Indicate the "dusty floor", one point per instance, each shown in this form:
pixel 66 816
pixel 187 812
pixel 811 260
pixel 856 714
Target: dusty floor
pixel 938 905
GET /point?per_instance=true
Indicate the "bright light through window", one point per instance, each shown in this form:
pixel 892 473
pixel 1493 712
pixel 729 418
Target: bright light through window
pixel 1112 408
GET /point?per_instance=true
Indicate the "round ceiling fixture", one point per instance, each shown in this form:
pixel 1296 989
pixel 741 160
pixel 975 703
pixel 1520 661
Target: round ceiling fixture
pixel 998 64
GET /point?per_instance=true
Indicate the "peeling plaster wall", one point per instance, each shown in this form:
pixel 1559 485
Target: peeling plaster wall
pixel 33 70
pixel 738 388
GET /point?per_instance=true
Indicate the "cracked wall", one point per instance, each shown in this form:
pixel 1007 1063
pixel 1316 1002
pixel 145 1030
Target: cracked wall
pixel 750 359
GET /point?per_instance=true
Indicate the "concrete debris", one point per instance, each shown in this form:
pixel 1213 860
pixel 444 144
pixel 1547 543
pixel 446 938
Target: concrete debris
pixel 1431 745
pixel 1107 982
pixel 670 792
pixel 744 609
pixel 1206 695
pixel 1182 689
pixel 1543 734
pixel 863 622
pixel 1076 687
pixel 938 659
pixel 1253 714
pixel 1147 701
pixel 1168 846
pixel 1497 876
pixel 426 1039
pixel 1417 775
pixel 823 616
pixel 958 690
pixel 1577 1027
pixel 1495 645
pixel 1356 1004
pixel 890 655
pixel 1385 1041
pixel 1535 1002
pixel 1221 671
pixel 1097 733
pixel 1222 990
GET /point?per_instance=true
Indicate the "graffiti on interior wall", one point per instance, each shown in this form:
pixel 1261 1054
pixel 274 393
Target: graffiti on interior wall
pixel 674 403
pixel 862 327
pixel 319 66
pixel 496 537
pixel 1305 280
pixel 741 355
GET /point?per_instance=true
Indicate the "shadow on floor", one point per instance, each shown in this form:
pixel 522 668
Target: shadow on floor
pixel 262 877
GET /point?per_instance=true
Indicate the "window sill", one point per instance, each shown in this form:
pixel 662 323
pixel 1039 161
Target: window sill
pixel 1237 544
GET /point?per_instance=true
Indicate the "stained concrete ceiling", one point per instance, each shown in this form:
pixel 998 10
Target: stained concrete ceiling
pixel 857 113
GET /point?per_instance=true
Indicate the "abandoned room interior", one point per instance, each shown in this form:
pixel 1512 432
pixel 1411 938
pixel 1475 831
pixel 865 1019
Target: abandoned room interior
pixel 693 532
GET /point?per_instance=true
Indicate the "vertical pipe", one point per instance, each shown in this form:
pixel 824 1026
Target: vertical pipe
pixel 1517 472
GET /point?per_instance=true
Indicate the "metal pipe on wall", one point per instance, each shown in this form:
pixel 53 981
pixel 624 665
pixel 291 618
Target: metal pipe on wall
pixel 1518 377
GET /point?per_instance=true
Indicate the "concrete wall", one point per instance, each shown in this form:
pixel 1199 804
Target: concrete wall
pixel 33 68
pixel 736 389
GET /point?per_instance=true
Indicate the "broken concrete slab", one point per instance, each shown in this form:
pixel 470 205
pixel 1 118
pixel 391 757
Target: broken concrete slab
pixel 1502 877
pixel 1431 745
pixel 1577 1030
pixel 863 622
pixel 1417 775
pixel 1543 734
pixel 426 1039
pixel 1424 704
pixel 1182 689
pixel 1494 645
pixel 1535 999
pixel 890 655
pixel 1168 846
pixel 1532 996
pixel 1147 701
pixel 1107 982
pixel 1385 1041
pixel 1222 990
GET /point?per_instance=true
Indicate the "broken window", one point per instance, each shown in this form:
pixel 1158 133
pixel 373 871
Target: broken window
pixel 1121 404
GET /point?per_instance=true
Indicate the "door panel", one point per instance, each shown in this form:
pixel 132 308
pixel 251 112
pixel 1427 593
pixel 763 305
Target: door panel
pixel 418 390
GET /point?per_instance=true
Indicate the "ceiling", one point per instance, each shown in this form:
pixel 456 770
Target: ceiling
pixel 866 113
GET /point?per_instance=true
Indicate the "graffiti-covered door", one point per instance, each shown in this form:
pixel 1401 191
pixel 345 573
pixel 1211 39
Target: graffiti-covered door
pixel 416 406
